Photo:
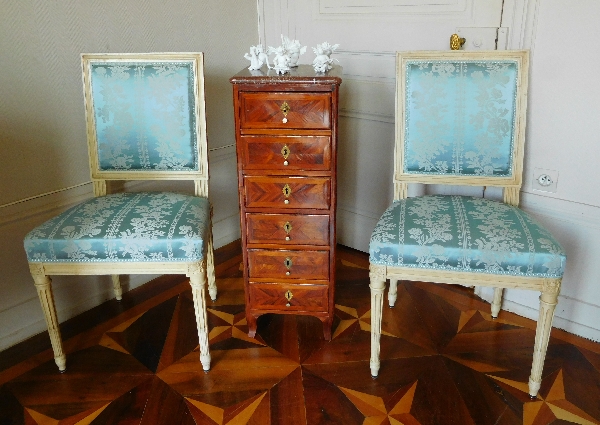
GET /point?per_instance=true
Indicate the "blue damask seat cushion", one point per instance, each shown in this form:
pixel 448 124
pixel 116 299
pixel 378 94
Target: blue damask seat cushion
pixel 465 234
pixel 157 227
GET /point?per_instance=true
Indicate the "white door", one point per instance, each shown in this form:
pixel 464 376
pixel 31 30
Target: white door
pixel 369 33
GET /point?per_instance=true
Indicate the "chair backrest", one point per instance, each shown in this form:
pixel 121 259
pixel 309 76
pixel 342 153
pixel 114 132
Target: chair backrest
pixel 145 116
pixel 460 119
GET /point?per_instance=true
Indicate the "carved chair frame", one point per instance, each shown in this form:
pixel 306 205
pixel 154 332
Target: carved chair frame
pixel 549 287
pixel 199 272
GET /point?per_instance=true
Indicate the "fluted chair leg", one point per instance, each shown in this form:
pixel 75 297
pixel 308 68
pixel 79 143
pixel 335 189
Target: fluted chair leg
pixel 210 268
pixel 377 277
pixel 43 284
pixel 497 302
pixel 117 287
pixel 197 281
pixel 393 292
pixel 548 301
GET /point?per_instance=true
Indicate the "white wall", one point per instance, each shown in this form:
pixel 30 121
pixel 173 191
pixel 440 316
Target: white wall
pixel 42 127
pixel 563 135
pixel 563 124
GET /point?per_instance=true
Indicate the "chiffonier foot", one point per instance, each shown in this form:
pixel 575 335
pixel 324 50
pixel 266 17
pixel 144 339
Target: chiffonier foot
pixel 251 320
pixel 327 322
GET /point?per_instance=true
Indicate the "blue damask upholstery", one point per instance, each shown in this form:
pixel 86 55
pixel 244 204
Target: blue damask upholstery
pixel 459 117
pixel 142 115
pixel 465 234
pixel 148 227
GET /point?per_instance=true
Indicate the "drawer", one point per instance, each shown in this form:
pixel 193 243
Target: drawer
pixel 291 153
pixel 280 296
pixel 285 110
pixel 287 192
pixel 287 229
pixel 288 264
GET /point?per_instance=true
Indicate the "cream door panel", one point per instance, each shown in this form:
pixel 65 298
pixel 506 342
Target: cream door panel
pixel 369 32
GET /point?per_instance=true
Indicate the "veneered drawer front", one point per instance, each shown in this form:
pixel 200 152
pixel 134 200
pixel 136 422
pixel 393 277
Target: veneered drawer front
pixel 287 192
pixel 280 296
pixel 285 110
pixel 287 229
pixel 286 153
pixel 288 264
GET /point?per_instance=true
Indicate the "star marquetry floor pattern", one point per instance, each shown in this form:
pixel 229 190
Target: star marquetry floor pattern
pixel 444 361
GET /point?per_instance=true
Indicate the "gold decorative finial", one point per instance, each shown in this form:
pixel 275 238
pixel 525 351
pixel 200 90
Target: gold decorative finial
pixel 456 42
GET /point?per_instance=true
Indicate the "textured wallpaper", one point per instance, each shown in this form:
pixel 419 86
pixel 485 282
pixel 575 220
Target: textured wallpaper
pixel 42 127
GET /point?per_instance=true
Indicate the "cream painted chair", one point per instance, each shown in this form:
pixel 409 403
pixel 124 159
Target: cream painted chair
pixel 460 120
pixel 145 119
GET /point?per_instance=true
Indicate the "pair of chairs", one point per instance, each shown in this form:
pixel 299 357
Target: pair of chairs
pixel 145 117
pixel 460 120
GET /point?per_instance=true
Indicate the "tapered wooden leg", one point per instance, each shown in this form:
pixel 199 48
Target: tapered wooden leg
pixel 377 278
pixel 251 321
pixel 497 302
pixel 210 266
pixel 548 301
pixel 117 287
pixel 43 284
pixel 393 292
pixel 197 281
pixel 327 322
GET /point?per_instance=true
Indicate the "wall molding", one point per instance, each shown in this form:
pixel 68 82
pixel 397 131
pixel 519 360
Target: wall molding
pixel 46 204
pixel 586 216
pixel 397 10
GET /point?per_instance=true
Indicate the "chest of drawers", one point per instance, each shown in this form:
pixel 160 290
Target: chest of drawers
pixel 286 136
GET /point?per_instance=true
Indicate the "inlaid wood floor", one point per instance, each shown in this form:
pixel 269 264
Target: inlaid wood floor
pixel 444 361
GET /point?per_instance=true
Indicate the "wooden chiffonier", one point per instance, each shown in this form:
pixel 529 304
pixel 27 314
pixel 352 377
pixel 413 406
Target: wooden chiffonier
pixel 286 134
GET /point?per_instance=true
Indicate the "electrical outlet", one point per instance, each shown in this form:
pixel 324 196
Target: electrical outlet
pixel 544 180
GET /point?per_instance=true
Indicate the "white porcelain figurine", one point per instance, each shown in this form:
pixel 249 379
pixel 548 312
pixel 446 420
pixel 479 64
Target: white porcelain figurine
pixel 293 48
pixel 257 57
pixel 322 62
pixel 281 61
pixel 262 56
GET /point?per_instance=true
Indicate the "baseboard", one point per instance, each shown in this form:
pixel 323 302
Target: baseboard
pixel 577 310
pixel 354 229
pixel 226 230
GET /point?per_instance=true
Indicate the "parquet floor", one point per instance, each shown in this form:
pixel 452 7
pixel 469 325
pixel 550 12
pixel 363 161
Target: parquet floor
pixel 444 361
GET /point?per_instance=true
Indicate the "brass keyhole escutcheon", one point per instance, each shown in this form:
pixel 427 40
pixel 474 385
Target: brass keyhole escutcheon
pixel 287 190
pixel 288 296
pixel 287 227
pixel 285 108
pixel 285 151
pixel 288 263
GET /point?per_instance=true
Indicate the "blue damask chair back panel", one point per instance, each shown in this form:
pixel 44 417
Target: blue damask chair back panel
pixel 462 117
pixel 142 116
